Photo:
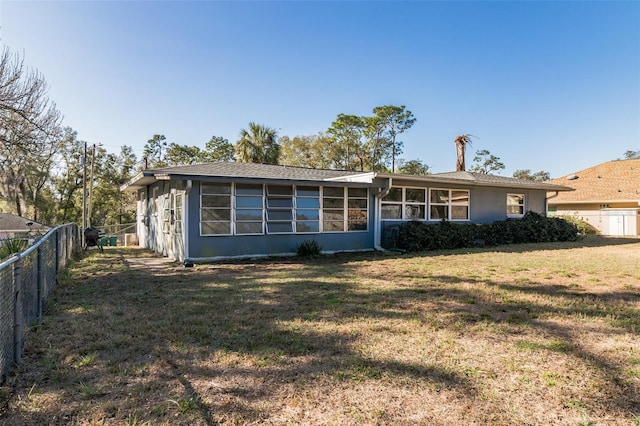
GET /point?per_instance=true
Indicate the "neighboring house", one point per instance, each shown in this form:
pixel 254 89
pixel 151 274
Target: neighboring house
pixel 12 226
pixel 607 196
pixel 208 211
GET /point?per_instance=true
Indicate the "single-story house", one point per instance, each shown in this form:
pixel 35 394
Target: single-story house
pixel 205 212
pixel 12 226
pixel 607 196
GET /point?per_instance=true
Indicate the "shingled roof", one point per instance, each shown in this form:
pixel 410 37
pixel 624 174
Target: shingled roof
pixel 484 179
pixel 12 223
pixel 278 172
pixel 613 181
pixel 255 170
pixel 237 170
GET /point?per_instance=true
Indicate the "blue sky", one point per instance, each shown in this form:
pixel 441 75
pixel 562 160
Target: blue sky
pixel 551 86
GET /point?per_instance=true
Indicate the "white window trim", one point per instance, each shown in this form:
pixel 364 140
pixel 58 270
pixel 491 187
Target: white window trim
pixel 231 212
pixel 345 207
pixel 404 203
pixel 320 209
pixel 450 204
pixel 295 209
pixel 524 205
pixel 155 201
pixel 234 223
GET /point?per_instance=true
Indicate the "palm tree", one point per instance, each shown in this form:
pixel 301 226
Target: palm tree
pixel 258 145
pixel 461 143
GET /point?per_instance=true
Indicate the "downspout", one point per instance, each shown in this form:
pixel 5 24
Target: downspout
pixel 185 222
pixel 546 202
pixel 377 229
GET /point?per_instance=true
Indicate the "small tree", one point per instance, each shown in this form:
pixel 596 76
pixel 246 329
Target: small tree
pixel 155 151
pixel 413 167
pixel 217 149
pixel 484 162
pixel 525 174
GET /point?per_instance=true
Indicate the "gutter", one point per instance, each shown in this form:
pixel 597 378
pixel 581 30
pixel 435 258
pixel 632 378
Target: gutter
pixel 185 224
pixel 546 202
pixel 377 229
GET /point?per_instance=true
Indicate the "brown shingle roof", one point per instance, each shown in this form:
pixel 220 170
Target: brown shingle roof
pixel 613 181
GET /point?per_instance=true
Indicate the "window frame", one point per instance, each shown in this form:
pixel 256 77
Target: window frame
pixel 248 196
pixel 227 208
pixel 450 204
pixel 354 211
pixel 351 206
pixel 275 196
pixel 298 196
pixel 404 204
pixel 522 205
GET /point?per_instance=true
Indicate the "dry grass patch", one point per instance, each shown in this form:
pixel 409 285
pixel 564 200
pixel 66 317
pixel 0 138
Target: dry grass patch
pixel 531 334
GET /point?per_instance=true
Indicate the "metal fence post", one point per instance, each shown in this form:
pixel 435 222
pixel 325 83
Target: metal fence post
pixel 40 281
pixel 57 254
pixel 17 312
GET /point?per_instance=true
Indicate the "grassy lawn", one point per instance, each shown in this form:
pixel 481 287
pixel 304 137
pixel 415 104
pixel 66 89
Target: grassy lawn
pixel 522 335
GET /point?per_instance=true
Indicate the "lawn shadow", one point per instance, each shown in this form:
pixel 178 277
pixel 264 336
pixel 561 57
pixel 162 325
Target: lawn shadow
pixel 214 343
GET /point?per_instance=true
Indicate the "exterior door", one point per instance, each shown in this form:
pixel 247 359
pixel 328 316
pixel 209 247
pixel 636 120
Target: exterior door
pixel 616 224
pixel 175 237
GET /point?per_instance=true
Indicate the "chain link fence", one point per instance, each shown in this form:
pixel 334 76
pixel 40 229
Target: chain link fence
pixel 26 279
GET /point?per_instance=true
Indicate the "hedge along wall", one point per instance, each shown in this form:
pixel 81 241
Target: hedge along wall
pixel 532 228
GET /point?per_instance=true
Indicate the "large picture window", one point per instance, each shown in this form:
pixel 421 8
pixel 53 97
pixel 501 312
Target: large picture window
pixel 449 204
pixel 405 204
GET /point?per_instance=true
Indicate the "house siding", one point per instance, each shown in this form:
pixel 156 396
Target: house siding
pixel 486 204
pixel 169 210
pixel 608 218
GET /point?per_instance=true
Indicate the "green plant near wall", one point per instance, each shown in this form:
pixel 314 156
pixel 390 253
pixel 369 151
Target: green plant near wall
pixel 309 248
pixel 584 228
pixel 532 228
pixel 10 246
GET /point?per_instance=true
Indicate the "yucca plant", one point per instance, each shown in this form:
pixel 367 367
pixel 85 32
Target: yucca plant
pixel 10 246
pixel 309 248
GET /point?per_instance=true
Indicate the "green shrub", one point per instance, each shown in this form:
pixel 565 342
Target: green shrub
pixel 532 228
pixel 309 248
pixel 584 228
pixel 10 246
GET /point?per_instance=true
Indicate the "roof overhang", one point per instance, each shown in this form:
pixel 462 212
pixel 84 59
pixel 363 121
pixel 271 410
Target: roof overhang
pixel 556 201
pixel 515 184
pixel 139 181
pixel 148 177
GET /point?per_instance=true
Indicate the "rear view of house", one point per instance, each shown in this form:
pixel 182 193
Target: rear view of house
pixel 209 211
pixel 607 196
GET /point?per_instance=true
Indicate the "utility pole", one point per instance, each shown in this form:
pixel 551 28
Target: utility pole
pixel 93 161
pixel 84 188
